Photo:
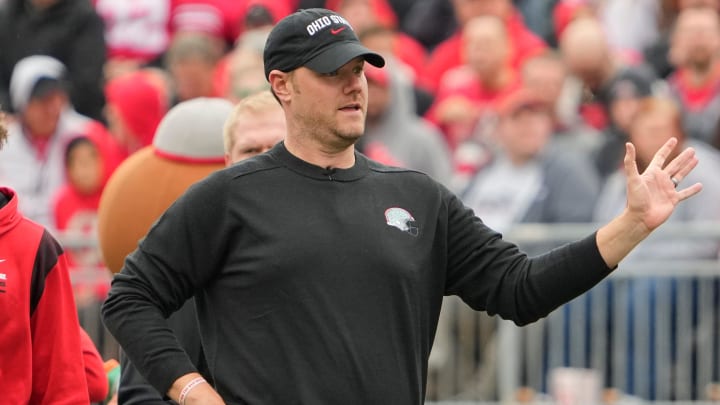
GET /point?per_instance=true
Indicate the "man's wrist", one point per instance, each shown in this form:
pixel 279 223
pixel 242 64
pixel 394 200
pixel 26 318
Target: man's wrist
pixel 616 239
pixel 177 387
pixel 634 226
pixel 188 388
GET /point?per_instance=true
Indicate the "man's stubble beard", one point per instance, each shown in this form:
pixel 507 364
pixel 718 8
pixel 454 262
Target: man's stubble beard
pixel 328 131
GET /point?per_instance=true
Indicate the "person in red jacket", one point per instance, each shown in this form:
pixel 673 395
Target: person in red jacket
pixel 41 360
pixel 448 54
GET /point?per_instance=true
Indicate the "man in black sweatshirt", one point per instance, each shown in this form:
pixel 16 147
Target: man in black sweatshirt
pixel 319 274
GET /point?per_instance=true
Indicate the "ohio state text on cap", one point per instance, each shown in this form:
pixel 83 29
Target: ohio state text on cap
pixel 316 38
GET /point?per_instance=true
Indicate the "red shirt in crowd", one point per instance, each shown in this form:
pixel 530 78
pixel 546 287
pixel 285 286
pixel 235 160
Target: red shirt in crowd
pixel 523 42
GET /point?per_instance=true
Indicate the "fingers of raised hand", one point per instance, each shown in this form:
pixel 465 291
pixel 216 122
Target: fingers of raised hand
pixel 679 168
pixel 689 191
pixel 630 163
pixel 662 154
pixel 683 164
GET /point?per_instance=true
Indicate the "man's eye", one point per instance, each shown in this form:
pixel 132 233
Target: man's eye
pixel 331 74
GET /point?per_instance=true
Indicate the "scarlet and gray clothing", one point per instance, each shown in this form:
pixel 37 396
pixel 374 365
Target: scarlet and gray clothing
pixel 41 360
pixel 37 178
pixel 700 105
pixel 311 289
pixel 412 142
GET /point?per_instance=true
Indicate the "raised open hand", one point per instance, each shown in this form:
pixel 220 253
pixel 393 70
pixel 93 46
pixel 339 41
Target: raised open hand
pixel 653 195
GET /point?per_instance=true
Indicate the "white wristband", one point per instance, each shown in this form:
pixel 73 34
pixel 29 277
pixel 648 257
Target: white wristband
pixel 188 387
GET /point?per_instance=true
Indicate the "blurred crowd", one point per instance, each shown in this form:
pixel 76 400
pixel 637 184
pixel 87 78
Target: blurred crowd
pixel 521 107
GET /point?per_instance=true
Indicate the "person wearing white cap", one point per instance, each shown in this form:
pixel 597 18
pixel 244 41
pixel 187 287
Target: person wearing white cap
pixel 32 163
pixel 318 274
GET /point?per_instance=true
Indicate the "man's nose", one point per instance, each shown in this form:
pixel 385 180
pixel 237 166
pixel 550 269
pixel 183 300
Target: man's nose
pixel 354 82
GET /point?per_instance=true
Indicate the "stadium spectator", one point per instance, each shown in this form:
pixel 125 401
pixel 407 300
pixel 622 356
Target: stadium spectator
pixel 537 15
pixel 236 74
pixel 135 105
pixel 136 33
pixel 625 93
pixel 380 40
pixel 90 159
pixel 191 61
pixel 33 161
pixel 218 19
pixel 482 81
pixel 394 134
pixel 241 71
pixel 430 22
pixel 67 30
pixel 42 348
pixel 657 54
pixel 566 11
pixel 695 84
pixel 630 26
pixel 522 42
pixel 254 126
pixel 547 77
pixel 528 179
pixel 593 64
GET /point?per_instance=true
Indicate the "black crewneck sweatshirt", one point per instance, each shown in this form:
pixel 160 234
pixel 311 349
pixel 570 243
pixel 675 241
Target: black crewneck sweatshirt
pixel 324 287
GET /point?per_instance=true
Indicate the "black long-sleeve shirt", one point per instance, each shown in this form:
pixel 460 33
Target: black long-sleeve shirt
pixel 324 286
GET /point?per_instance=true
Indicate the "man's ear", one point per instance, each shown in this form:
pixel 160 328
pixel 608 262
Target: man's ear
pixel 280 85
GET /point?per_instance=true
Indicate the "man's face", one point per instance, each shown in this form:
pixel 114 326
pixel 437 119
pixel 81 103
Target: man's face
pixel 330 107
pixel 545 78
pixel 255 134
pixel 697 38
pixel 192 78
pixel 525 132
pixel 485 46
pixel 42 114
pixel 622 111
pixel 85 168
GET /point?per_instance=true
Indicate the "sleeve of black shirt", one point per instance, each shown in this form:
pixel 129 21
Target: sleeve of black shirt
pixel 493 275
pixel 180 253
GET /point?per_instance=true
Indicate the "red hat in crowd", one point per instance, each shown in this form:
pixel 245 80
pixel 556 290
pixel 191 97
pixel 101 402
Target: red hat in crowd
pixel 140 103
pixel 522 99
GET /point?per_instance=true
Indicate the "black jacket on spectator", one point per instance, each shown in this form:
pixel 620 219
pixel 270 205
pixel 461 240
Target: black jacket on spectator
pixel 70 31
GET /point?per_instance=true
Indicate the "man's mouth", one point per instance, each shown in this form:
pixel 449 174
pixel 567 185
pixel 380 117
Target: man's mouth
pixel 351 107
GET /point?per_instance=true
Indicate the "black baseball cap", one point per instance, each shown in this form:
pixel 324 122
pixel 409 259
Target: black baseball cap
pixel 316 38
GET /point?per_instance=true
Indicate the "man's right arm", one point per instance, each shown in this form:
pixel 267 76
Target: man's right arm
pixel 180 253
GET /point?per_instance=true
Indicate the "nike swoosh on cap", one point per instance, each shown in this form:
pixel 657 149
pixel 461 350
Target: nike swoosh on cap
pixel 337 31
